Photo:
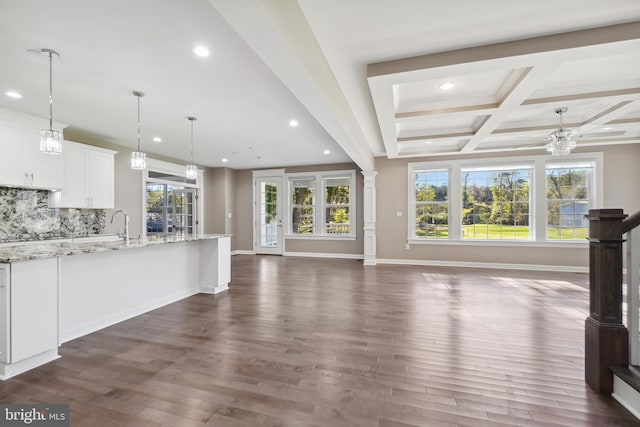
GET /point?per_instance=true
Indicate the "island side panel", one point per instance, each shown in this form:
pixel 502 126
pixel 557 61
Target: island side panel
pixel 215 265
pixel 103 288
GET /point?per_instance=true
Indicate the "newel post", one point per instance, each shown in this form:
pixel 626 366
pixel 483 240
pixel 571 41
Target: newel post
pixel 606 338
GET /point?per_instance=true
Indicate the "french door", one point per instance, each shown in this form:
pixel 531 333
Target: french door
pixel 171 209
pixel 267 234
pixel 184 208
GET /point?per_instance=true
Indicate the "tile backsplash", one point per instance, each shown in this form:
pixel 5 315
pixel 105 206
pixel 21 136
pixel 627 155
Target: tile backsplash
pixel 25 215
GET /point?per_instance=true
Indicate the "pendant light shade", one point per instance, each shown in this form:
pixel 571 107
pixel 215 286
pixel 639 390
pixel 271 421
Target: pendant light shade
pixel 50 139
pixel 192 170
pixel 138 158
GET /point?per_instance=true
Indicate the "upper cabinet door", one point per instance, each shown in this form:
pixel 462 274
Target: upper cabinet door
pixel 74 192
pixel 46 168
pixel 13 170
pixel 22 164
pixel 88 178
pixel 101 180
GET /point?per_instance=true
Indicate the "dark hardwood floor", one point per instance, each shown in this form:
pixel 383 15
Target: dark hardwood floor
pixel 326 342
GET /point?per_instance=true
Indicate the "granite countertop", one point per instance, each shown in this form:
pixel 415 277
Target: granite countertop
pixel 54 248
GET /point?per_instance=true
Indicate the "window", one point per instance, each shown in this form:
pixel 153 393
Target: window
pixel 302 205
pixel 569 196
pixel 431 193
pixel 337 192
pixel 509 200
pixel 327 215
pixel 170 202
pixel 495 202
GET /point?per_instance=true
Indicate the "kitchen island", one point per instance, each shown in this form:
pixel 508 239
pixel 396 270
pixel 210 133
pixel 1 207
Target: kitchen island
pixel 55 292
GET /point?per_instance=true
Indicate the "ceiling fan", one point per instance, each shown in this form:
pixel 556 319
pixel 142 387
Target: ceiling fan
pixel 560 142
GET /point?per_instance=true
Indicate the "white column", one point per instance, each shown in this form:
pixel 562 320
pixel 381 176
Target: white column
pixel 369 199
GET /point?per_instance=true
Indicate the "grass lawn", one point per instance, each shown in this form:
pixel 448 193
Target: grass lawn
pixel 556 233
pixel 504 232
pixel 495 232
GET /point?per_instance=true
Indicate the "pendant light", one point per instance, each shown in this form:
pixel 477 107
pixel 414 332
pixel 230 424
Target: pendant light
pixel 138 158
pixel 50 140
pixel 192 170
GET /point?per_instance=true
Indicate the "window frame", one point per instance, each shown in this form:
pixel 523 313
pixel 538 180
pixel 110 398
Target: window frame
pixel 319 228
pixel 502 167
pixel 538 198
pixel 592 189
pixel 433 167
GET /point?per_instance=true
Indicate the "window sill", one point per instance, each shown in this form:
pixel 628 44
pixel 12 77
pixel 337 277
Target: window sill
pixel 507 243
pixel 319 237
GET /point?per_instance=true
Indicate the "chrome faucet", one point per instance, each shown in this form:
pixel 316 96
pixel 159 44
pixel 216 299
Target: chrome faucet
pixel 126 223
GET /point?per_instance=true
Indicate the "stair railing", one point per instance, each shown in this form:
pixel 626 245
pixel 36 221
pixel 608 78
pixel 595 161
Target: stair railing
pixel 630 226
pixel 606 337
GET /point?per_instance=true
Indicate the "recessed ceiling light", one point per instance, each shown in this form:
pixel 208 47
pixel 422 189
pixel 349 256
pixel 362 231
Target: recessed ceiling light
pixel 427 142
pixel 446 86
pixel 157 139
pixel 224 160
pixel 293 123
pixel 606 128
pixel 326 152
pixel 201 51
pixel 13 94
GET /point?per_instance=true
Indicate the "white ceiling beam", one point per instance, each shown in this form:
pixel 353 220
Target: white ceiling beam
pixel 614 94
pixel 522 89
pixel 279 34
pixel 480 109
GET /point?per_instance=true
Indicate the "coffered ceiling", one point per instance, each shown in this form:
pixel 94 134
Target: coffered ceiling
pixel 504 96
pixel 362 77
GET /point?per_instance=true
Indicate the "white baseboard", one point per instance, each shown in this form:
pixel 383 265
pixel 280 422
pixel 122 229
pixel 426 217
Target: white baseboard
pixel 626 395
pixel 214 289
pixel 496 265
pixel 8 370
pixel 242 252
pixel 324 255
pixel 112 319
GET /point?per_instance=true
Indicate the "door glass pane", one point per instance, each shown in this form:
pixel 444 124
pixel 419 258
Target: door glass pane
pixel 156 203
pixel 184 222
pixel 268 214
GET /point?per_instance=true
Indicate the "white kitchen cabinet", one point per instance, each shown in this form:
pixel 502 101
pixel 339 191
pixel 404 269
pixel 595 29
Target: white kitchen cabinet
pixel 34 308
pixel 29 315
pixel 29 318
pixel 88 178
pixel 22 164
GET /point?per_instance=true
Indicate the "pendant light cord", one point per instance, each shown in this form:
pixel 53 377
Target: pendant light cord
pixel 138 123
pixel 50 90
pixel 191 119
pixel 191 140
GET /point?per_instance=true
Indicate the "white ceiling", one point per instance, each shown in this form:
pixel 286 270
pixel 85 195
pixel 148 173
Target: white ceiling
pixel 360 76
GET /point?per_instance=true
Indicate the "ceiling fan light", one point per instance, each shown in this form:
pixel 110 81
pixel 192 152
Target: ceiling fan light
pixel 561 142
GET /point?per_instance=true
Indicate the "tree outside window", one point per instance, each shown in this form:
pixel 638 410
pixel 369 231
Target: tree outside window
pixel 432 204
pixel 337 202
pixel 303 205
pixel 568 200
pixel 495 203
